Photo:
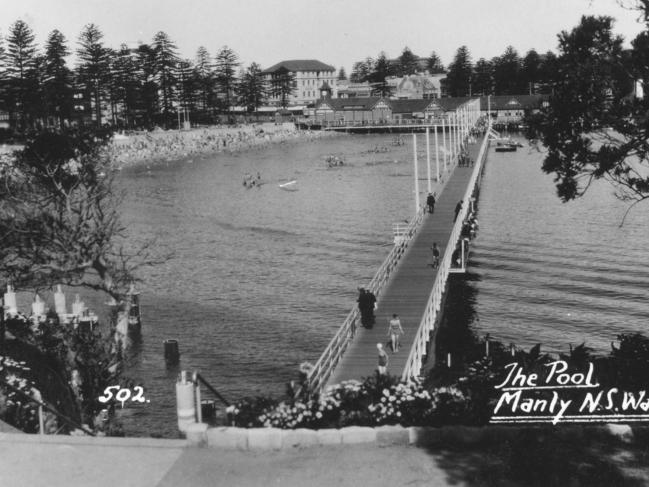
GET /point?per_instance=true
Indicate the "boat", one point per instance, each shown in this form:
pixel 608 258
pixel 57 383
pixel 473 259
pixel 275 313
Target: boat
pixel 507 145
pixel 289 186
pixel 502 147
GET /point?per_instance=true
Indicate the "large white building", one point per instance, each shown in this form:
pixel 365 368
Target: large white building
pixel 311 77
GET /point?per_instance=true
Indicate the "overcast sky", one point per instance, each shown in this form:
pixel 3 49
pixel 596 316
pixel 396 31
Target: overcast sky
pixel 337 32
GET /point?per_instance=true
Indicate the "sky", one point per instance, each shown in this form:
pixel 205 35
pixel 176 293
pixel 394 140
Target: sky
pixel 336 32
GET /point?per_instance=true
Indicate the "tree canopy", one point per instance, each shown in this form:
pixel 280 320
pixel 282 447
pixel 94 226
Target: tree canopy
pixel 594 126
pixel 59 217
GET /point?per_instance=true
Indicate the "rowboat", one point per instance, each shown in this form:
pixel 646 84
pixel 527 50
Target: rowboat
pixel 289 186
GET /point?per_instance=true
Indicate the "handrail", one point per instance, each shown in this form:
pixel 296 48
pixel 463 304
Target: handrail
pixel 338 344
pixel 418 350
pixel 199 378
pixel 333 352
pixel 51 409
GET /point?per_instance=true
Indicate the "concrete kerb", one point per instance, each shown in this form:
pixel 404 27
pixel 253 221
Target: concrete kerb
pixel 278 439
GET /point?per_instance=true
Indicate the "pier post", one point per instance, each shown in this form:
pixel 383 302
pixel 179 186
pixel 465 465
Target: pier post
pixel 414 151
pixel 444 140
pixel 428 157
pixel 436 157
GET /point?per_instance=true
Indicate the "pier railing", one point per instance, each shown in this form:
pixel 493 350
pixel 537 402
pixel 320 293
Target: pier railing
pixel 418 351
pixel 345 334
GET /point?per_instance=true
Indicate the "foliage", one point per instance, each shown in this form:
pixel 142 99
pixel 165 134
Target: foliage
pixel 226 63
pixel 507 73
pixel 93 65
pixel 165 64
pixel 458 78
pixel 15 409
pixel 408 63
pixel 375 401
pixel 59 220
pixel 434 64
pixel 594 128
pixel 252 90
pixel 482 77
pixel 282 85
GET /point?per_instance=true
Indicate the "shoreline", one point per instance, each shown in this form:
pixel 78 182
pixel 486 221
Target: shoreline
pixel 128 151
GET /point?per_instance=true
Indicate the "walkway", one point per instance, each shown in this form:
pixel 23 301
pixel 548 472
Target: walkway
pixel 407 293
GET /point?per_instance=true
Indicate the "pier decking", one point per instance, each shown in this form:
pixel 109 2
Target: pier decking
pixel 409 288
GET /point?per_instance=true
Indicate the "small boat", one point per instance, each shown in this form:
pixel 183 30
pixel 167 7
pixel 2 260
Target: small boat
pixel 289 186
pixel 507 145
pixel 501 147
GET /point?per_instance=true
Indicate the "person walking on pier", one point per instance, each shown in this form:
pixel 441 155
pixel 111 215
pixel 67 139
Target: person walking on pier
pixel 383 360
pixel 366 300
pixel 394 332
pixel 435 250
pixel 430 201
pixel 458 207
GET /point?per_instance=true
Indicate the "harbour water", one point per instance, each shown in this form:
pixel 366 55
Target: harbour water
pixel 556 273
pixel 259 279
pixel 255 281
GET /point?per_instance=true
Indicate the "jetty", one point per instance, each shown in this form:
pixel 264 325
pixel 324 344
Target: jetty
pixel 406 284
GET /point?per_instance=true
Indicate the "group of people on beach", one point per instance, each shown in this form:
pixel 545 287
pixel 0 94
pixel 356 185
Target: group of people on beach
pixel 173 144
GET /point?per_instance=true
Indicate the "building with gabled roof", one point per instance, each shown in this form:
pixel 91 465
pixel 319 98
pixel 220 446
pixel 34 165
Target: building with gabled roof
pixel 309 76
pixel 383 110
pixel 511 108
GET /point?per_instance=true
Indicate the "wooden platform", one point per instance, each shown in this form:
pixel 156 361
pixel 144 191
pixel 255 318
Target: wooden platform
pixel 407 292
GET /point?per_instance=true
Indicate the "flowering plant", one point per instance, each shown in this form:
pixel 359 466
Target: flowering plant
pixel 376 401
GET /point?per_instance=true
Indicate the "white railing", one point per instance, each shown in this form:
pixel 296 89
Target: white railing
pixel 332 354
pixel 418 350
pixel 338 344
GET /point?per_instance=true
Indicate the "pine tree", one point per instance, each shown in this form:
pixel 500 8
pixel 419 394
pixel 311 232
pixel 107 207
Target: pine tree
pixel 252 90
pixel 342 76
pixel 459 73
pixel 166 63
pixel 408 63
pixel 434 64
pixel 57 86
pixel 530 70
pixel 379 74
pixel 283 85
pixel 225 66
pixel 205 80
pixel 93 66
pixel 507 73
pixel 482 79
pixel 21 71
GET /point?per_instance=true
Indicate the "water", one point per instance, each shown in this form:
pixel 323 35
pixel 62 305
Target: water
pixel 556 273
pixel 258 280
pixel 252 282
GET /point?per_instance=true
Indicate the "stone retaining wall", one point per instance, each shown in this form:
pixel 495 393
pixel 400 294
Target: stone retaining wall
pixel 230 438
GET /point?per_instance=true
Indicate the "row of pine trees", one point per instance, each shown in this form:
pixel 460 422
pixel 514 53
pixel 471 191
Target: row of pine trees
pixel 128 87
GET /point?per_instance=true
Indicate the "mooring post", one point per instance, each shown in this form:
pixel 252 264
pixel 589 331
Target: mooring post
pixel 185 402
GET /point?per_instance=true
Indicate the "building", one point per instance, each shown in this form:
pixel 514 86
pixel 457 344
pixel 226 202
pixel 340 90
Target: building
pixel 416 86
pixel 347 89
pixel 376 110
pixel 511 109
pixel 309 77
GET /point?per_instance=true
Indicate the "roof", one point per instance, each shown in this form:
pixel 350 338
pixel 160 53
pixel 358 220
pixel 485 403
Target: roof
pixel 295 65
pixel 512 102
pixel 359 103
pixel 409 106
